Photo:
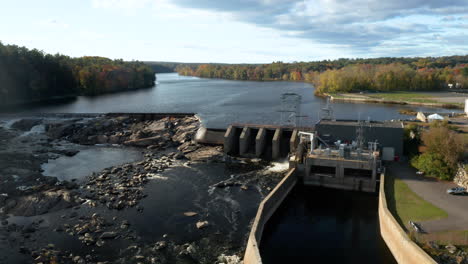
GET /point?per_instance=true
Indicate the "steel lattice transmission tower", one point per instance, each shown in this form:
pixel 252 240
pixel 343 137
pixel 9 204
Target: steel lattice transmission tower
pixel 290 109
pixel 327 111
pixel 360 135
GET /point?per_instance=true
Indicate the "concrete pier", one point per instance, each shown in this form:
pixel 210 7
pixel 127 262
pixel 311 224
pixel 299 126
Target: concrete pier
pixel 244 141
pixel 276 144
pixel 260 142
pixel 294 141
pixel 230 140
pixel 264 141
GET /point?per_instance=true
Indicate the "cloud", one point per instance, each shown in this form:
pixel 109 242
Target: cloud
pixel 360 24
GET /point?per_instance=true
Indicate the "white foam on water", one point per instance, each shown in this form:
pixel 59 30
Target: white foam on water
pixel 38 129
pixel 7 123
pixel 156 176
pixel 279 166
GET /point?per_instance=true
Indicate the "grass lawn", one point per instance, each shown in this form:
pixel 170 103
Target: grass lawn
pixel 405 96
pixel 406 205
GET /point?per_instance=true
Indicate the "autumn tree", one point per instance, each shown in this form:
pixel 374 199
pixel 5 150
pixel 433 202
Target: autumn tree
pixel 444 149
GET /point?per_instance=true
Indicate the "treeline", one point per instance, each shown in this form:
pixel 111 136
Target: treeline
pixel 424 73
pixel 98 75
pixel 390 77
pixel 31 75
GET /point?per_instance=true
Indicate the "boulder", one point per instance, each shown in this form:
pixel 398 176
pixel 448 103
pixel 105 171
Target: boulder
pixel 144 142
pixel 109 235
pixel 202 224
pixel 25 124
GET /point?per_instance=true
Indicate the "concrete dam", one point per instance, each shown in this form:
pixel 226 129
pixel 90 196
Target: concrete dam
pixel 326 155
pixel 339 154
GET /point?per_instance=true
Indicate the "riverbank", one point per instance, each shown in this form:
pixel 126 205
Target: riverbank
pixel 176 202
pixel 443 99
pixel 440 216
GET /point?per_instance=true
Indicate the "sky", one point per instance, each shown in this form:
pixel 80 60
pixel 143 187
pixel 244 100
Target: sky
pixel 237 31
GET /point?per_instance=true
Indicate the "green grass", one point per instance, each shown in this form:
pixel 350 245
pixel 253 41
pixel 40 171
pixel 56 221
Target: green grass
pixel 405 96
pixel 406 205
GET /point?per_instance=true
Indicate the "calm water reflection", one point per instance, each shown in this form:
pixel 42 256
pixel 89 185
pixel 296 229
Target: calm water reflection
pixel 221 102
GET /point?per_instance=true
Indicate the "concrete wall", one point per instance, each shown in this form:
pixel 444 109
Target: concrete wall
pixel 339 180
pixel 265 210
pixel 402 247
pixel 209 136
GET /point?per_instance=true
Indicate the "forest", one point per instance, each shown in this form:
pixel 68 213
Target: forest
pixel 348 75
pixel 32 76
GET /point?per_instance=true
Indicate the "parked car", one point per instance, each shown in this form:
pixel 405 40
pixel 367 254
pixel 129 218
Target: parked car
pixel 456 190
pixel 420 172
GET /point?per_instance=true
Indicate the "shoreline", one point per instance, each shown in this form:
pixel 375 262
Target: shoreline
pixel 385 101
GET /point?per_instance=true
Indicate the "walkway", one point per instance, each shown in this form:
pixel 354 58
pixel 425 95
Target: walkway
pixel 435 192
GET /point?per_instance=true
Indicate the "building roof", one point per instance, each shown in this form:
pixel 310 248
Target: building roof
pixel 345 122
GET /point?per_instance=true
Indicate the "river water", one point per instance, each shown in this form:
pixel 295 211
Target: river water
pixel 326 225
pixel 222 102
pixel 343 229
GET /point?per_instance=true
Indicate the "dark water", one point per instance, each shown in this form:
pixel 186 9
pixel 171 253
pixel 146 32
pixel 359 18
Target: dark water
pixel 325 226
pixel 221 102
pixel 171 193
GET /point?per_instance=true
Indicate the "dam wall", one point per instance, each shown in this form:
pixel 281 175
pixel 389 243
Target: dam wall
pixel 265 141
pixel 402 247
pixel 265 210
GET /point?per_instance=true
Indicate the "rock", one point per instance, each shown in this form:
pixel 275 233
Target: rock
pixel 224 259
pixel 29 229
pixel 202 224
pixel 73 214
pixel 451 248
pixel 25 124
pixel 102 139
pixel 160 245
pixel 108 235
pixel 433 245
pixel 66 152
pixel 100 243
pixel 190 214
pixel 179 156
pixel 144 142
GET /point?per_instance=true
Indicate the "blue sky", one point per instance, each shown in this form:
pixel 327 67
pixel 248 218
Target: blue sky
pixel 237 31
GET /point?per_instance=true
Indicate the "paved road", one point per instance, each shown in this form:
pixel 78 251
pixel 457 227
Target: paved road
pixel 434 192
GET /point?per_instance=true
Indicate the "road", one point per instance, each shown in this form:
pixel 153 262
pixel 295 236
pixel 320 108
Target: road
pixel 435 192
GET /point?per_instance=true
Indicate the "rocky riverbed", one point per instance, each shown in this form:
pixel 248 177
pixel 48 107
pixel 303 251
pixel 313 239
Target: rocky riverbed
pixel 180 202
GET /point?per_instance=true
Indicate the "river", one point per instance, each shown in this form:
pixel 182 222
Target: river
pixel 326 225
pixel 344 229
pixel 222 102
